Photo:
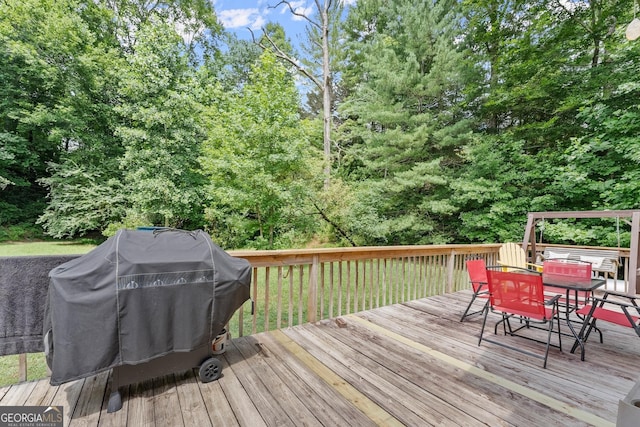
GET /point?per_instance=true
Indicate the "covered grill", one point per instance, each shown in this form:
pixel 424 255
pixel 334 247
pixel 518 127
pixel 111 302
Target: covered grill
pixel 143 303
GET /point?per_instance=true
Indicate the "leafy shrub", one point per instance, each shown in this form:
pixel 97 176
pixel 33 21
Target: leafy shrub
pixel 19 232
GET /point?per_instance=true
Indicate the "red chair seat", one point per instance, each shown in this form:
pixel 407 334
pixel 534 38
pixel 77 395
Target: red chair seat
pixel 621 315
pixel 525 311
pixel 607 315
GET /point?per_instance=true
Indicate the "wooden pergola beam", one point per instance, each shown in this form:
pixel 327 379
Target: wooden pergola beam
pixel 634 261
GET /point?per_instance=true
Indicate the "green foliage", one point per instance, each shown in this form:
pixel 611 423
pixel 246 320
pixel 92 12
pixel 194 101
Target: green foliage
pixel 405 119
pixel 41 48
pixel 161 130
pixel 81 200
pixel 20 232
pixel 455 120
pixel 259 162
pixel 595 232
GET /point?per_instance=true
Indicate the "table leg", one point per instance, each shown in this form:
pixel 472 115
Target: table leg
pixel 578 340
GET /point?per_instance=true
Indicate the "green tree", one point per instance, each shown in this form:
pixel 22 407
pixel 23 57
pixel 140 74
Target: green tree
pixel 104 109
pixel 259 161
pixel 55 97
pixel 161 129
pixel 546 63
pixel 194 20
pixel 322 32
pixel 403 118
pixel 232 66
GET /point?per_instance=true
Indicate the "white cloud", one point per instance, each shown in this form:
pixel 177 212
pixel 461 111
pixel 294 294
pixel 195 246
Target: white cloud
pixel 241 18
pixel 299 7
pixel 296 4
pixel 306 11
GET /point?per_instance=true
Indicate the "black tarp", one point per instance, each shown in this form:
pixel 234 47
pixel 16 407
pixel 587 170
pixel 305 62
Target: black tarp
pixel 138 296
pixel 24 284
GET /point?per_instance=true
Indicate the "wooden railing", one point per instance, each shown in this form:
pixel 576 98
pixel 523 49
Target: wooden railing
pixel 291 287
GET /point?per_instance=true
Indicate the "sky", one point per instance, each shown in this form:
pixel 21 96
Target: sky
pixel 238 15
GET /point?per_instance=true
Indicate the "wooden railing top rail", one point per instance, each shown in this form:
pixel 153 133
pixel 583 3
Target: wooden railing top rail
pixel 262 258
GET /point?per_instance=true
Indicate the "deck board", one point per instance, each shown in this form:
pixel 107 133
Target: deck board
pixel 218 407
pixel 268 407
pixel 407 364
pixel 243 407
pixel 521 368
pixel 166 401
pixel 87 412
pixel 389 383
pixel 282 389
pixel 460 401
pixel 326 402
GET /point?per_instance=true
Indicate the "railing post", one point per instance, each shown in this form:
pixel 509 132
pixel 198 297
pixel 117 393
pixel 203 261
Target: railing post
pixel 22 367
pixel 312 298
pixel 450 271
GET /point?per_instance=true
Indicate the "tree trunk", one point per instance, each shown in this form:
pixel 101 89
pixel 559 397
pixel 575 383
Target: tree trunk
pixel 326 97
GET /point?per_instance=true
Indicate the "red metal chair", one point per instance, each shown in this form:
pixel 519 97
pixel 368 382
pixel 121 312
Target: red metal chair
pixel 477 270
pixel 561 269
pixel 623 311
pixel 520 293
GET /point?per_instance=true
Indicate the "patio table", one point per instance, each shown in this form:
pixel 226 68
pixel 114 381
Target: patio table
pixel 576 285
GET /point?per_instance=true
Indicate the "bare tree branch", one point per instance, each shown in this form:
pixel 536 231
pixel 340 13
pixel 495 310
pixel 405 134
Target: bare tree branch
pixel 336 226
pixel 284 56
pixel 323 85
pixel 293 12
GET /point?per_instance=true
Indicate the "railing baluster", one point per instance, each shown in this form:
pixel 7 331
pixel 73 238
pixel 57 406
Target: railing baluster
pixel 279 321
pixel 331 290
pixel 22 367
pixel 384 282
pixel 374 284
pixel 450 265
pixel 414 277
pixel 267 308
pixel 300 294
pixel 348 308
pixel 290 296
pixel 312 291
pixel 356 294
pixel 254 325
pixel 340 289
pixel 395 280
pixel 321 296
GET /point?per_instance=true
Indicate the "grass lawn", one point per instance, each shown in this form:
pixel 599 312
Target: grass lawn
pixel 44 248
pixel 36 365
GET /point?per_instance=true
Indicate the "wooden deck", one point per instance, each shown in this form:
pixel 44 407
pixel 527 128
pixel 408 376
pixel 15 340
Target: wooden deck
pixel 406 364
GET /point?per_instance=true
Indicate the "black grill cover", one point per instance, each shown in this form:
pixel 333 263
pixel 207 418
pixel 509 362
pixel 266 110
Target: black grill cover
pixel 138 296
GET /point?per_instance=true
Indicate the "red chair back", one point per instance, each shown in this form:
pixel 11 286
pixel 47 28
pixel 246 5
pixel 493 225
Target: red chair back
pixel 568 270
pixel 477 269
pixel 519 293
